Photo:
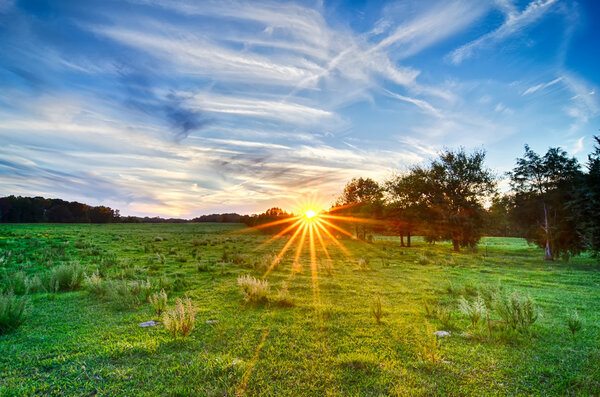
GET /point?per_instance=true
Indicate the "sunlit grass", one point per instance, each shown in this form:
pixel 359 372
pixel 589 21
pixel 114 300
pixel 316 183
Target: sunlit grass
pixel 327 342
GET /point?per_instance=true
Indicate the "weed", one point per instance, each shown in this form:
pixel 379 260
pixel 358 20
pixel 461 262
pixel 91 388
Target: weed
pixel 66 277
pixel 180 319
pixel 444 315
pixel 428 346
pixel 159 302
pixel 475 310
pixel 516 311
pixel 12 310
pixel 574 322
pixel 34 285
pixel 377 310
pixel 254 290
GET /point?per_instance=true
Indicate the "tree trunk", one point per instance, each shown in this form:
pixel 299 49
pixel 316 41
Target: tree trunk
pixel 548 251
pixel 401 240
pixel 408 239
pixel 455 245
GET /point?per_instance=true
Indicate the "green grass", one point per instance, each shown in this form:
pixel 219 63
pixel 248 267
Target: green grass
pixel 326 343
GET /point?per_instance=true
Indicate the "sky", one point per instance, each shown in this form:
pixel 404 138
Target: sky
pixel 182 108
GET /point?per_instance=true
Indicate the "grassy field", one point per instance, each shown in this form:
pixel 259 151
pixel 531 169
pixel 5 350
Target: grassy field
pixel 321 339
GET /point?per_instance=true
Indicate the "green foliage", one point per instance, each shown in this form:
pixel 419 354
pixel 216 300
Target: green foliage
pixel 377 309
pixel 159 302
pixel 12 310
pixel 516 311
pixel 179 320
pixel 427 345
pixel 252 289
pixel 574 322
pixel 66 277
pixel 475 310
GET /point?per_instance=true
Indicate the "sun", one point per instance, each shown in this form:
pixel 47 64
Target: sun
pixel 310 214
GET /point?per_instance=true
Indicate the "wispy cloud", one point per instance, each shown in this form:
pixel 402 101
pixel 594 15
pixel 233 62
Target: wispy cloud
pixel 541 86
pixel 513 24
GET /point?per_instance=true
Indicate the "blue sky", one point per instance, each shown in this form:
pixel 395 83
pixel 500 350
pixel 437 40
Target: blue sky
pixel 179 108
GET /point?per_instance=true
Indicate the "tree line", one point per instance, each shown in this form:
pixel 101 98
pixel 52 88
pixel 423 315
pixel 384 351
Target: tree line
pixel 553 202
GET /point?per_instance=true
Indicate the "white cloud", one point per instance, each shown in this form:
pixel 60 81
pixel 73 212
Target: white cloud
pixel 541 86
pixel 513 24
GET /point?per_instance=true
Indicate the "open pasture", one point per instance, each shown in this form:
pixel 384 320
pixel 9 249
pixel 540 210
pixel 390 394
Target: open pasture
pixel 359 323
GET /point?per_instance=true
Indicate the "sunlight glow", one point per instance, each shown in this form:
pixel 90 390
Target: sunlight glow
pixel 310 214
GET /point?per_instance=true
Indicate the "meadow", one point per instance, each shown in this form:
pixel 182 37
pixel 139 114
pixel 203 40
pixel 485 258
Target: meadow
pixel 359 323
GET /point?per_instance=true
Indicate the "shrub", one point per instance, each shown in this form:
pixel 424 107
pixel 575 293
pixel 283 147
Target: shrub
pixel 377 310
pixel 516 311
pixel 12 310
pixel 179 320
pixel 254 290
pixel 475 310
pixel 574 322
pixel 66 277
pixel 159 302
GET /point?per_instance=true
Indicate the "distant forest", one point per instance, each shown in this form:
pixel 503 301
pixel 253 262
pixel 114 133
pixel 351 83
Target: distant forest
pixel 17 209
pixel 554 202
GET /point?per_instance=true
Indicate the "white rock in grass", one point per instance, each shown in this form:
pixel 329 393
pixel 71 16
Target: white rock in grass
pixel 148 324
pixel 441 334
pixel 212 321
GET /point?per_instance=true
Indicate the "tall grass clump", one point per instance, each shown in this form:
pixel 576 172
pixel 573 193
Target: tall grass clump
pixel 12 310
pixel 377 309
pixel 574 322
pixel 475 310
pixel 159 302
pixel 516 311
pixel 252 289
pixel 180 319
pixel 66 277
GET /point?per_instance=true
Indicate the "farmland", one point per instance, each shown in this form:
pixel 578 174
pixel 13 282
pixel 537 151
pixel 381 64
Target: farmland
pixel 321 338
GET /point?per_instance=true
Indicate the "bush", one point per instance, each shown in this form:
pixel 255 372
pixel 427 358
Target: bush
pixel 475 310
pixel 574 322
pixel 254 290
pixel 66 277
pixel 179 320
pixel 12 310
pixel 516 311
pixel 159 302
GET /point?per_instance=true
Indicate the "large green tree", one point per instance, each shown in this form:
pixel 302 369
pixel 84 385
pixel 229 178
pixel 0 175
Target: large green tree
pixel 447 196
pixel 361 198
pixel 543 186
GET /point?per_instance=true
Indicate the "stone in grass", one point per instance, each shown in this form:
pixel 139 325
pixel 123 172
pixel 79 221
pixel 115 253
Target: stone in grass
pixel 441 334
pixel 150 323
pixel 212 321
